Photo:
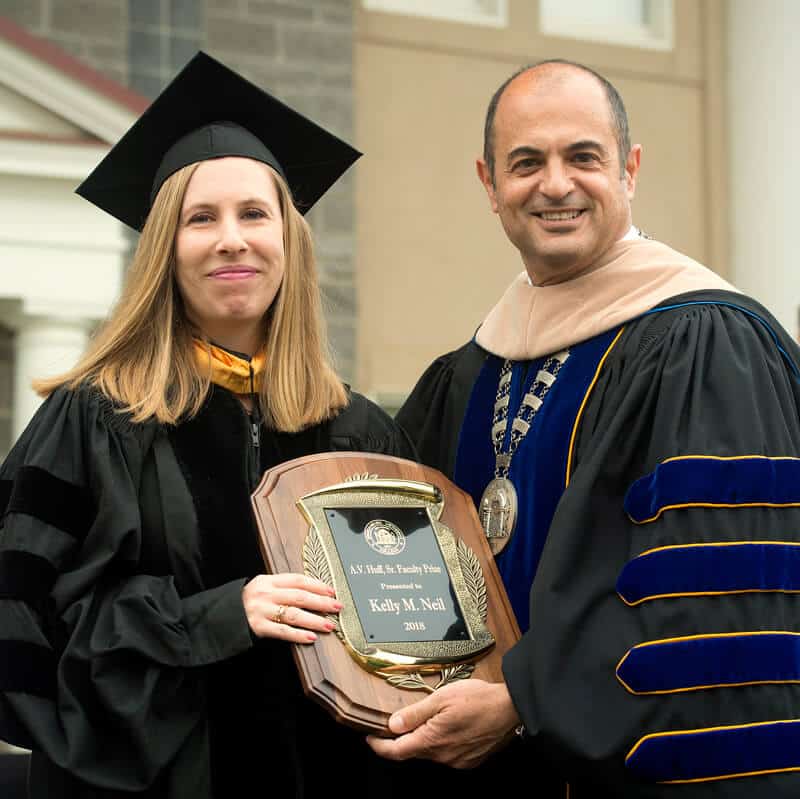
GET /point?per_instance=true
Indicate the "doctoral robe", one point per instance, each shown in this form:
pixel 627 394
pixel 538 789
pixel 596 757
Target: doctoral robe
pixel 126 661
pixel 655 568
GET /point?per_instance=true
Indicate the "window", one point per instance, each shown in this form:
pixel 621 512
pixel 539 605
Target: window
pixel 635 23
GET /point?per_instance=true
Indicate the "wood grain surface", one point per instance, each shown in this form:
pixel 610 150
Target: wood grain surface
pixel 327 671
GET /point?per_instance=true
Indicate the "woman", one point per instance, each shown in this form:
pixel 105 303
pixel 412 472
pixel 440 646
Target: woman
pixel 141 648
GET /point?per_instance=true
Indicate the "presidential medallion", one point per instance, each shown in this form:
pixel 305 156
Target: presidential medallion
pixel 498 512
pixel 498 508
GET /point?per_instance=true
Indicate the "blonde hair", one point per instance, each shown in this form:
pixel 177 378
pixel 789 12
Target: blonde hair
pixel 143 356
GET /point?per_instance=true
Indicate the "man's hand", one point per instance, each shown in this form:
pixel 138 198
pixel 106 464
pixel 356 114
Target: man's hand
pixel 460 725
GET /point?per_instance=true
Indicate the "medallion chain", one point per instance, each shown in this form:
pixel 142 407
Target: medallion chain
pixel 528 408
pixel 498 505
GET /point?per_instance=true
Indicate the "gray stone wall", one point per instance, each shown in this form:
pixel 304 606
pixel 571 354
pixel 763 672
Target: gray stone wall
pixel 163 35
pixel 299 50
pixel 95 31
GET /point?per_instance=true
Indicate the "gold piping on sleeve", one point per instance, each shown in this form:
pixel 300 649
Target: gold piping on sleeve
pixel 678 594
pixel 676 733
pixel 701 687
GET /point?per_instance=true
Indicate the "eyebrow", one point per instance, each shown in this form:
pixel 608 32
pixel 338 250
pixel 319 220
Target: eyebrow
pixel 583 144
pixel 247 201
pixel 255 201
pixel 524 150
pixel 586 144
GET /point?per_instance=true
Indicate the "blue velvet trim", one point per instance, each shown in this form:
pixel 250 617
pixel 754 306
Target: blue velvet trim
pixel 36 492
pixel 27 668
pixel 711 661
pixel 717 753
pixel 539 465
pixel 701 569
pixel 25 576
pixel 707 481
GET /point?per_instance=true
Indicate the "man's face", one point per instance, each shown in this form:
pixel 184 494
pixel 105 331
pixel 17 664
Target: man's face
pixel 558 187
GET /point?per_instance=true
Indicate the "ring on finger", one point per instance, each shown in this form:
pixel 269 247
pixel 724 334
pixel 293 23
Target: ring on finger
pixel 279 613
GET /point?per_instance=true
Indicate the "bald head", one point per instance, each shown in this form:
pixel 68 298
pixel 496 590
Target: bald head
pixel 553 73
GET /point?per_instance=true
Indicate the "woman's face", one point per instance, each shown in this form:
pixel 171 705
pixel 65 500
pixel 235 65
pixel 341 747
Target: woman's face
pixel 229 250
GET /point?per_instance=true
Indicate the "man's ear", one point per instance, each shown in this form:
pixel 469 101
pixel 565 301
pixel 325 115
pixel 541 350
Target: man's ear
pixel 485 177
pixel 632 169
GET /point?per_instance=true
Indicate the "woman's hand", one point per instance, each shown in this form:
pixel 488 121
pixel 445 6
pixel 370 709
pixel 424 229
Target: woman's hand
pixel 288 606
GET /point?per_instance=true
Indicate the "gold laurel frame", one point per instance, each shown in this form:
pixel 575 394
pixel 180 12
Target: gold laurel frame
pixel 402 663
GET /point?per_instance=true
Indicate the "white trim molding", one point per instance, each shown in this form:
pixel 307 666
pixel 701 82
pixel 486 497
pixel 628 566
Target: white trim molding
pixel 489 13
pixel 49 159
pixel 62 94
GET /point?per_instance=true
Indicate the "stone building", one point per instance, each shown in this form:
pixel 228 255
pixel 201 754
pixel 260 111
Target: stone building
pixel 300 50
pixel 410 258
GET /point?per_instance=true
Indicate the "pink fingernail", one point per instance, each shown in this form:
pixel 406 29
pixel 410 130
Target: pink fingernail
pixel 329 626
pixel 338 605
pixel 311 636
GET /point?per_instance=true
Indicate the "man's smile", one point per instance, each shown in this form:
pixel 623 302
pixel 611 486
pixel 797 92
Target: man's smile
pixel 559 216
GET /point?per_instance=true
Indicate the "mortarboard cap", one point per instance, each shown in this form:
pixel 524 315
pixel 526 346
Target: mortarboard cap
pixel 209 111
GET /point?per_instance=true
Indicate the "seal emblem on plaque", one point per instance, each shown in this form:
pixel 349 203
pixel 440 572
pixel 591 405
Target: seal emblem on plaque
pixel 384 537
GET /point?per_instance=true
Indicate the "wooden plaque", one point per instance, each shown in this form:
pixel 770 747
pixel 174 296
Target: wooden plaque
pixel 405 552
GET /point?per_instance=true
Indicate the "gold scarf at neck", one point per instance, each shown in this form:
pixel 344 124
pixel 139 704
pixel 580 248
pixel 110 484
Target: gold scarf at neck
pixel 231 371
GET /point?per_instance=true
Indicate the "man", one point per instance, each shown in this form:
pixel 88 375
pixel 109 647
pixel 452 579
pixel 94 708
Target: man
pixel 627 424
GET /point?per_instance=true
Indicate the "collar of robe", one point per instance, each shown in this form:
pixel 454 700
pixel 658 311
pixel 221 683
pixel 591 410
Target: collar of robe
pixel 631 278
pixel 234 371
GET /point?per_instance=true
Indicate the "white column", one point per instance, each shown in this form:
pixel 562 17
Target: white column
pixel 763 65
pixel 44 346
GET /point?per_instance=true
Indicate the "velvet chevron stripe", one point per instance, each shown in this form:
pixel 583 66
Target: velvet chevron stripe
pixel 5 495
pixel 713 568
pixel 35 492
pixel 709 481
pixel 27 668
pixel 717 753
pixel 25 576
pixel 720 660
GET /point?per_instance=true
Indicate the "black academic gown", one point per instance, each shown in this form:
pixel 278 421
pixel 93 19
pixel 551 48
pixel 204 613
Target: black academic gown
pixel 662 653
pixel 126 661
